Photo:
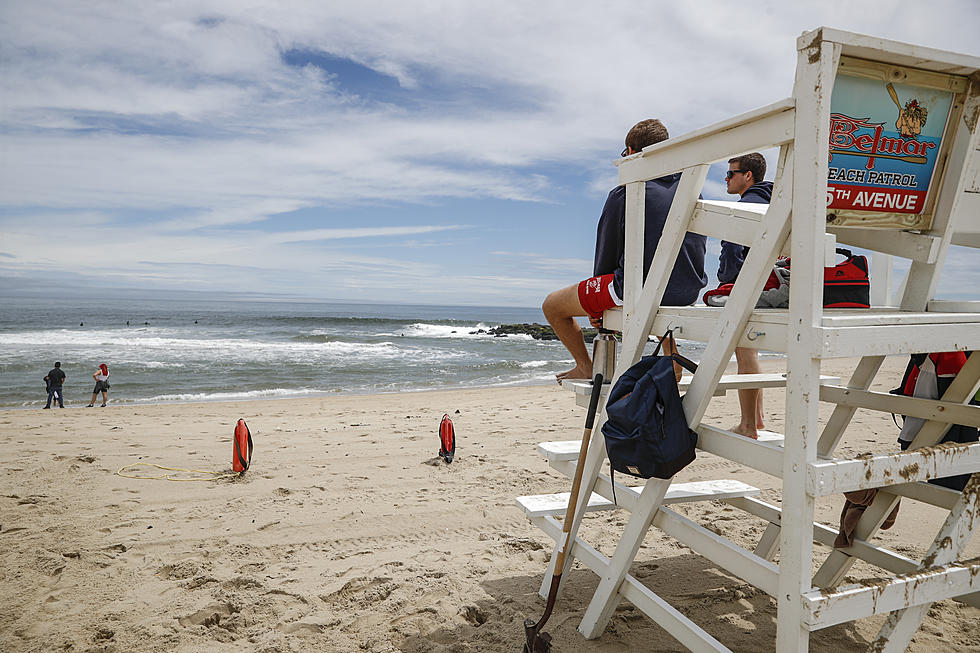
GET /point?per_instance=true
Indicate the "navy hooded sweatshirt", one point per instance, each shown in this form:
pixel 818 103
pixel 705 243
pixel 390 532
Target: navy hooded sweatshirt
pixel 732 254
pixel 687 278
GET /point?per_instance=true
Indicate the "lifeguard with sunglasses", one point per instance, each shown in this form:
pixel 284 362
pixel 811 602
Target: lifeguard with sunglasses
pixel 604 289
pixel 744 178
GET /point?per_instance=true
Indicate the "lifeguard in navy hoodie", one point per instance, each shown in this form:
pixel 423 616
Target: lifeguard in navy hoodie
pixel 688 276
pixel 732 254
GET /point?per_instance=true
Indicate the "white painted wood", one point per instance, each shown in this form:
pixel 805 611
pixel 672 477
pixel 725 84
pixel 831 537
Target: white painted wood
pixel 902 54
pixel 680 627
pixel 583 389
pixel 539 505
pixel 633 254
pixel 671 240
pixel 943 411
pixel 823 608
pixel 953 306
pixel 757 130
pixel 918 247
pixel 753 569
pixel 765 456
pixel 816 65
pixel 734 316
pixel 875 555
pixel 606 596
pixel 861 379
pixel 900 626
pixel 851 342
pixel 880 276
pixel 825 478
pixel 934 495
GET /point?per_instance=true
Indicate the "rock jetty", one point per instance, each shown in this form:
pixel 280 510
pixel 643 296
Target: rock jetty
pixel 535 330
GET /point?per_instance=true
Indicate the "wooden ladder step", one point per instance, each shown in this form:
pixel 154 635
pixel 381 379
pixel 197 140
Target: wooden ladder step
pixel 542 505
pixel 564 450
pixel 583 389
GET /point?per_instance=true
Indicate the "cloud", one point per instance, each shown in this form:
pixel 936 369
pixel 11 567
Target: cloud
pixel 187 132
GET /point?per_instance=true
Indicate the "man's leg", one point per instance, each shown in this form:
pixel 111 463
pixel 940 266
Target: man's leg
pixel 50 395
pixel 560 309
pixel 749 401
pixel 61 398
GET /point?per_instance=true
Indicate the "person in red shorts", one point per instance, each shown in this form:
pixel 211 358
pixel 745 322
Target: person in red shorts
pixel 604 290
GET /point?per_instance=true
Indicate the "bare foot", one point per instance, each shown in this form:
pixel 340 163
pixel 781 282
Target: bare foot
pixel 577 373
pixel 746 431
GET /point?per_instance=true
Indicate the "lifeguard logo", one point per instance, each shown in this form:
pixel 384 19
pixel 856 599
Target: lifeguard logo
pixel 593 285
pixel 858 137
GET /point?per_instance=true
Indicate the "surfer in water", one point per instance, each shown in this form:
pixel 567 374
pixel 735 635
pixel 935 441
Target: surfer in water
pixel 604 290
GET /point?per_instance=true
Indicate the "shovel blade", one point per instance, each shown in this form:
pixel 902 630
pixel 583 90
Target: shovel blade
pixel 535 642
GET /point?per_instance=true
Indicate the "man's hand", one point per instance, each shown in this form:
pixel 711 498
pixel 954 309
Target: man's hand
pixel 596 322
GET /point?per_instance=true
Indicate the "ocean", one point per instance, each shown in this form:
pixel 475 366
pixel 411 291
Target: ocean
pixel 164 350
pixel 161 351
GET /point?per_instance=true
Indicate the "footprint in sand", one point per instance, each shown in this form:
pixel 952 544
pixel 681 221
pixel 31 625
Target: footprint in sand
pixel 209 616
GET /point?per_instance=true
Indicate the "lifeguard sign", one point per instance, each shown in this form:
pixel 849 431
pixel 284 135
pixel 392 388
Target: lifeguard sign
pixel 888 143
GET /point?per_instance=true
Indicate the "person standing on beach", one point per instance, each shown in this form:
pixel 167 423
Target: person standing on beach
pixel 745 178
pixel 56 381
pixel 101 377
pixel 605 289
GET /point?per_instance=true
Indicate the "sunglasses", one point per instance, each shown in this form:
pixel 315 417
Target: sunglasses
pixel 625 152
pixel 731 173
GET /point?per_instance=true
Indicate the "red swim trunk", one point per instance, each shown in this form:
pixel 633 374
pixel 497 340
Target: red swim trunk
pixel 597 295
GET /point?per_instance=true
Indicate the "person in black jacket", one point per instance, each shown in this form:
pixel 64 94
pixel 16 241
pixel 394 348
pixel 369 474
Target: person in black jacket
pixel 55 381
pixel 604 289
pixel 744 178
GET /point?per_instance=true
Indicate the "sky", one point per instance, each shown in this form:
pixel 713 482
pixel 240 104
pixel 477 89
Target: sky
pixel 419 152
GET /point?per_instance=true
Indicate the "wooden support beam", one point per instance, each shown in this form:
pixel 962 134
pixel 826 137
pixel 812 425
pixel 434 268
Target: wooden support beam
pixel 759 129
pixel 941 411
pixel 763 456
pixel 826 608
pixel 825 478
pixel 852 342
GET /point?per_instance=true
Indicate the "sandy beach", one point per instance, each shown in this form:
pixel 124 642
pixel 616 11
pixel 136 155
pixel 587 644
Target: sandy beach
pixel 349 534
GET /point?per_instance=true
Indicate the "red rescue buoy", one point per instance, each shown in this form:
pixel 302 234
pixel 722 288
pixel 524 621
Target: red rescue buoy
pixel 241 455
pixel 447 439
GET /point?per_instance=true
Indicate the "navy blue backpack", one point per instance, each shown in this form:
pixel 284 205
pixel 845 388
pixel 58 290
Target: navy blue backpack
pixel 646 432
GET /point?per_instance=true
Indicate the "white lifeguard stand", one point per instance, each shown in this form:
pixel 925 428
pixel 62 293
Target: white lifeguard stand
pixel 808 216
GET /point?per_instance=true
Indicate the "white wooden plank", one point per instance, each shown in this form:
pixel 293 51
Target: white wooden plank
pixel 538 505
pixel 850 342
pixel 720 550
pixel 943 411
pixel 833 431
pixel 954 306
pixel 900 626
pixel 646 299
pixel 606 597
pixel 758 454
pixel 918 247
pixel 758 129
pixel 633 245
pixel 583 389
pixel 825 478
pixel 852 602
pixel 934 495
pixel 905 54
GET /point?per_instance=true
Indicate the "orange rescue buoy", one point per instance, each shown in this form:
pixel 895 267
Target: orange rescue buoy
pixel 241 455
